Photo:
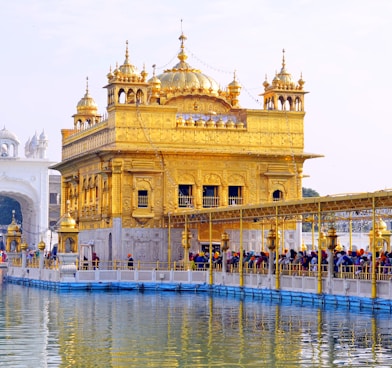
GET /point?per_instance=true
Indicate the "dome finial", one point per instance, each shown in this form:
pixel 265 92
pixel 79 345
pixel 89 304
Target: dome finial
pixel 181 55
pixel 153 70
pixel 283 60
pixel 182 38
pixel 126 53
pixel 86 86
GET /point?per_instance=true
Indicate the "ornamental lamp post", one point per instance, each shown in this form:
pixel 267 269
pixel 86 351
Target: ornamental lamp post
pixel 225 246
pixel 332 238
pixel 322 245
pixel 379 241
pixel 322 240
pixel 331 245
pixel 273 238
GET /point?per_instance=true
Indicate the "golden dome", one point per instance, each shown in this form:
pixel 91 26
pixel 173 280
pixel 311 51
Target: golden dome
pixel 184 79
pixel 87 103
pixel 41 245
pixel 66 221
pixel 126 72
pixel 283 80
pixel 155 84
pixel 381 225
pixel 13 226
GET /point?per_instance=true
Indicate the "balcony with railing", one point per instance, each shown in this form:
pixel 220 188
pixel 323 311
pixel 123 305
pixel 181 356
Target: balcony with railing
pixel 236 201
pixel 185 201
pixel 210 202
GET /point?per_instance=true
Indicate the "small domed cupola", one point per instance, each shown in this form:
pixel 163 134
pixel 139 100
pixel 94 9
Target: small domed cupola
pixel 301 82
pixel 87 104
pixel 86 112
pixel 284 77
pixel 283 93
pixel 13 227
pixel 14 235
pixel 155 86
pixel 126 72
pixel 127 69
pixel 126 86
pixel 234 89
pixel 68 232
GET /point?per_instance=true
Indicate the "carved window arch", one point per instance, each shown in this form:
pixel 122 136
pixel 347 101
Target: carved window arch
pixel 96 187
pixel 211 190
pixel 130 96
pixel 298 104
pixel 143 193
pixel 85 188
pixel 139 96
pixel 277 195
pixel 78 124
pixel 289 103
pixel 235 190
pixel 121 96
pixel 269 103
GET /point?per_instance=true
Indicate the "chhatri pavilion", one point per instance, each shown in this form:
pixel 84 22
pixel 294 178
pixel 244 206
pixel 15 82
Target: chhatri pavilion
pixel 174 142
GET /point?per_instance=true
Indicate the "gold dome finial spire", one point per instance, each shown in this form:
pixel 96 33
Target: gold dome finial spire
pixel 86 86
pixel 126 53
pixel 182 38
pixel 181 55
pixel 283 59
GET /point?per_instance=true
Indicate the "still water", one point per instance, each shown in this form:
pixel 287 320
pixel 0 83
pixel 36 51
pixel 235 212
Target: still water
pixel 43 328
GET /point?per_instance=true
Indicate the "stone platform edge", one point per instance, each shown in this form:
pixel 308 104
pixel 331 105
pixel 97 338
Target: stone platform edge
pixel 278 296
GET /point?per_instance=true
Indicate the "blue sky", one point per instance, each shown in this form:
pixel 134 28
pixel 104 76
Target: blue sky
pixel 342 48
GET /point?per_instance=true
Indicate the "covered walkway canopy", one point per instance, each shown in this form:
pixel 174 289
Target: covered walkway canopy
pixel 353 207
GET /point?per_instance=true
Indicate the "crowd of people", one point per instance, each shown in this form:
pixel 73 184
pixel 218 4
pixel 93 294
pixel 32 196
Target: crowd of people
pixel 343 261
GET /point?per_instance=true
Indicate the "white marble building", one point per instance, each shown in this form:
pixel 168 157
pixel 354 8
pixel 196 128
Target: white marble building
pixel 26 180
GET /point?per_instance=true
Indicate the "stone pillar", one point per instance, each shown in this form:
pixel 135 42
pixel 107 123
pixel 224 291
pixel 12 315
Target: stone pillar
pixel 23 248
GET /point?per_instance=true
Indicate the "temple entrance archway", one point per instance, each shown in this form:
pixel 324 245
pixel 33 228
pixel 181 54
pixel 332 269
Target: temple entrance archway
pixel 29 207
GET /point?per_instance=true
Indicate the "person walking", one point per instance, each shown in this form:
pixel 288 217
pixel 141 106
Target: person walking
pixel 130 261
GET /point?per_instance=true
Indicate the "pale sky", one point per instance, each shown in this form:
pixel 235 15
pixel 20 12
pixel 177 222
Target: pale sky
pixel 341 47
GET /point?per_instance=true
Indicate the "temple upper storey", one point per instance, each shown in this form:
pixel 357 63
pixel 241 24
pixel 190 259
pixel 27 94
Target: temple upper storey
pixel 198 99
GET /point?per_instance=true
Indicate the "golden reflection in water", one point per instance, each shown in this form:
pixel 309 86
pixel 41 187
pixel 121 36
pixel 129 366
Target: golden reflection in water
pixel 186 330
pixel 242 352
pixel 210 349
pixel 287 337
pixel 319 335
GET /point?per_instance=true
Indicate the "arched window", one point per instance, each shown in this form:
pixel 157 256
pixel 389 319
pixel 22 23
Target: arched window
pixel 130 97
pixel 139 96
pixel 277 195
pixel 121 96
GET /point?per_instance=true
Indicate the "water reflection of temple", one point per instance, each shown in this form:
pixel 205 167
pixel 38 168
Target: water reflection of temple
pixel 182 329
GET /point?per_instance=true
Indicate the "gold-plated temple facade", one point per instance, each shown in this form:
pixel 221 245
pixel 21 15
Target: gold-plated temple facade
pixel 177 141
